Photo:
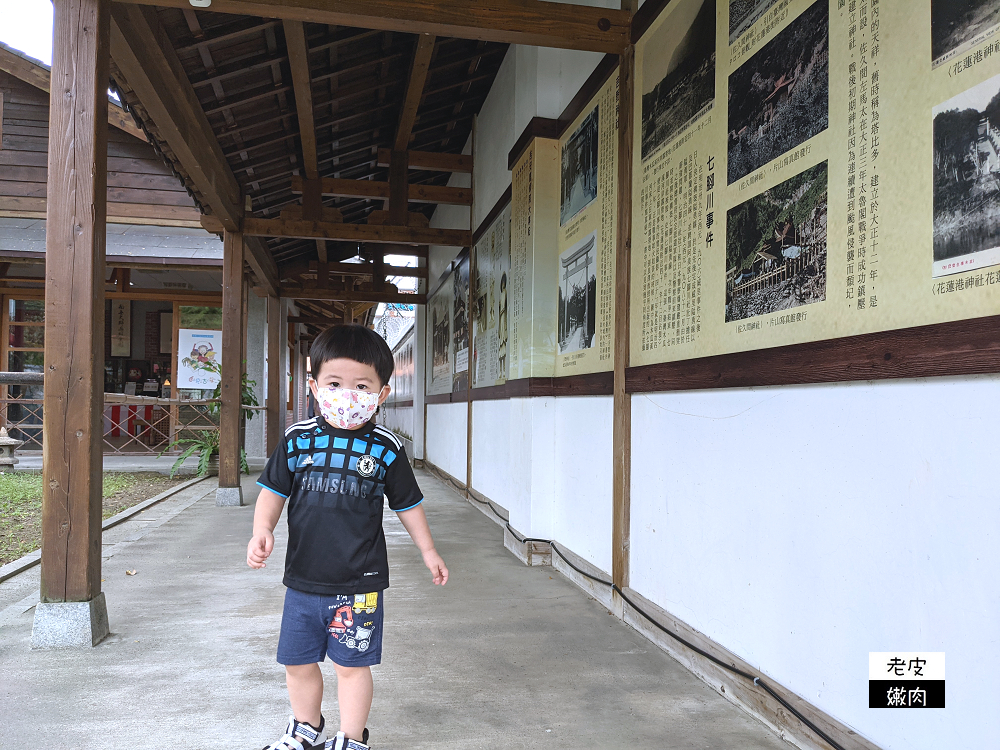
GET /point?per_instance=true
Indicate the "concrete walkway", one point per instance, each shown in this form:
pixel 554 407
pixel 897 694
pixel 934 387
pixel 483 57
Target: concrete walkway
pixel 504 656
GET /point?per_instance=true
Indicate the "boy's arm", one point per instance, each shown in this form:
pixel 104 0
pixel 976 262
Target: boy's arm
pixel 265 517
pixel 415 522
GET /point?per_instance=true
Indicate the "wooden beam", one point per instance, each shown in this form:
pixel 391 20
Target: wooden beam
pixel 262 264
pixel 232 365
pixel 135 295
pixel 531 22
pixel 309 269
pixel 12 206
pixel 74 304
pixel 414 90
pixel 158 295
pixel 312 320
pixel 275 371
pixel 440 194
pixel 377 233
pixel 29 258
pixel 367 269
pixel 622 415
pixel 343 188
pixel 398 188
pixel 429 161
pixel 39 76
pixel 358 295
pixel 144 54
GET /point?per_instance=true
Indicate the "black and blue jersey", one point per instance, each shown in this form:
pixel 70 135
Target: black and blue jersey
pixel 335 481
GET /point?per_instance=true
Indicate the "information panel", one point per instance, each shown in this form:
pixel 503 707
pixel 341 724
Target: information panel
pixel 811 169
pixel 490 303
pixel 586 245
pixel 439 312
pixel 448 332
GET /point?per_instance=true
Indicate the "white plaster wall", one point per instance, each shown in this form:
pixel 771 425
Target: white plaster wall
pixel 491 469
pixel 548 462
pixel 802 527
pixel 494 139
pixel 561 73
pixel 446 445
pixel 449 217
pixel 582 497
pixel 532 465
pixel 419 379
pixel 531 82
pixel 399 419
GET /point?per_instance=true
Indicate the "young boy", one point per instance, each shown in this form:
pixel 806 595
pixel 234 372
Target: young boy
pixel 334 470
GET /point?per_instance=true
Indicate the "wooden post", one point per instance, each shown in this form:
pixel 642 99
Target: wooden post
pixel 74 330
pixel 230 492
pixel 275 405
pixel 294 398
pixel 622 430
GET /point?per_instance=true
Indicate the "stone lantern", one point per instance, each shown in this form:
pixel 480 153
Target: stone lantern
pixel 7 447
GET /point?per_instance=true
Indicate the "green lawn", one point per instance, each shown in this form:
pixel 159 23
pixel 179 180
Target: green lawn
pixel 21 505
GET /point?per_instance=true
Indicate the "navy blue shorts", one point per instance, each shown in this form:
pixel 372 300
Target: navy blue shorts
pixel 347 628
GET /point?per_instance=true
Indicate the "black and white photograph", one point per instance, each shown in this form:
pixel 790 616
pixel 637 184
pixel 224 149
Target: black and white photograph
pixel 441 336
pixel 579 169
pixel 678 73
pixel 967 180
pixel 776 247
pixel 460 325
pixel 780 97
pixel 745 13
pixel 957 25
pixel 578 295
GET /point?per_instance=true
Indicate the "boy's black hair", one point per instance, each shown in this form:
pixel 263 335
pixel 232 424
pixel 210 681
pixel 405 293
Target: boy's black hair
pixel 352 342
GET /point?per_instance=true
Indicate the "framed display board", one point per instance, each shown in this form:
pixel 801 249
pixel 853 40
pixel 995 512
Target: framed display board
pixel 808 170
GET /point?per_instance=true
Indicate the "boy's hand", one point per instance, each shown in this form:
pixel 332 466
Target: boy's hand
pixel 259 549
pixel 436 566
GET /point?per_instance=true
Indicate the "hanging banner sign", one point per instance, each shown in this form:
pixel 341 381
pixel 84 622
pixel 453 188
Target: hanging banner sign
pixel 200 359
pixel 121 328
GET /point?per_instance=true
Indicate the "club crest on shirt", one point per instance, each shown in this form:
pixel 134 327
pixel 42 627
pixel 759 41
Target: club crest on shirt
pixel 367 465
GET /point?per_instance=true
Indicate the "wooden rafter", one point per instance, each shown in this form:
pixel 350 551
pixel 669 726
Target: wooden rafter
pixel 298 59
pixel 414 90
pixel 532 22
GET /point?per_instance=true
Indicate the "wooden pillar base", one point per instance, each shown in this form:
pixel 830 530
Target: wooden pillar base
pixel 70 624
pixel 229 496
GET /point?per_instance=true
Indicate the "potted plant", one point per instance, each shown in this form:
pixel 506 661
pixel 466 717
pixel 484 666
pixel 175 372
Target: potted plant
pixel 206 443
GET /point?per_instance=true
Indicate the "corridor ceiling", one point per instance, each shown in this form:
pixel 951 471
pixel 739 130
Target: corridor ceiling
pixel 245 82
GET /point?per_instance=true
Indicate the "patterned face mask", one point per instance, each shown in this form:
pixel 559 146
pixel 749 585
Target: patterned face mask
pixel 346 408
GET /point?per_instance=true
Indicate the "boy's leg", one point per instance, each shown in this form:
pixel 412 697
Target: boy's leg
pixel 305 691
pixel 354 694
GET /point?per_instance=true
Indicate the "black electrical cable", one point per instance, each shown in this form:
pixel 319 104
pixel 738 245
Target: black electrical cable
pixel 715 660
